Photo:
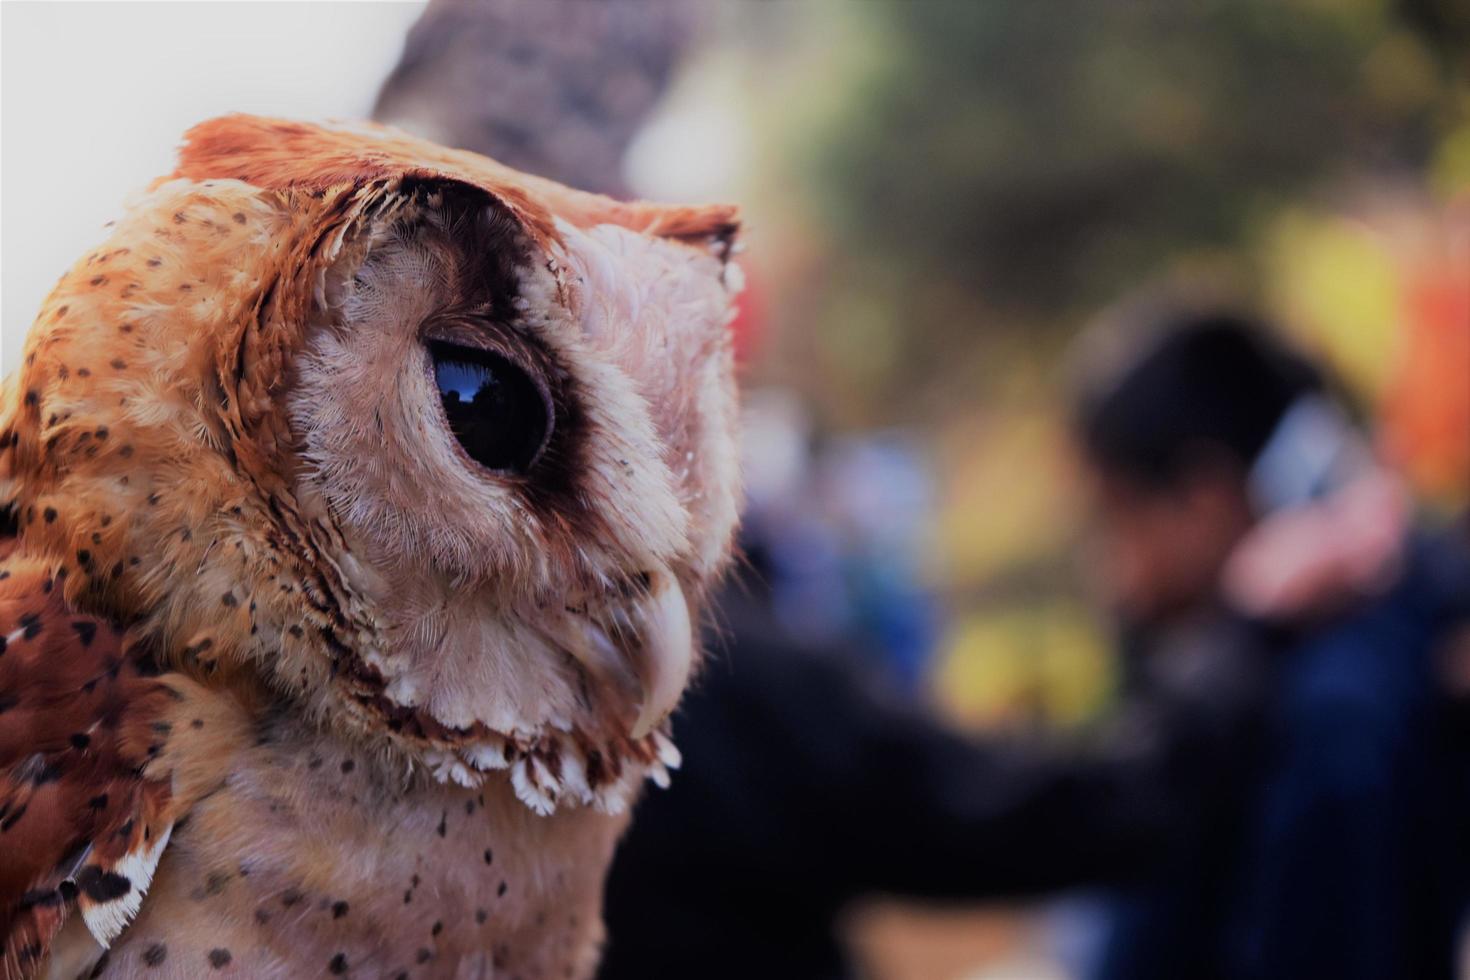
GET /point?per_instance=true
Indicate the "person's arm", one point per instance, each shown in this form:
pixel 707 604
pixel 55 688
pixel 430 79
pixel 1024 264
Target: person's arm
pixel 902 804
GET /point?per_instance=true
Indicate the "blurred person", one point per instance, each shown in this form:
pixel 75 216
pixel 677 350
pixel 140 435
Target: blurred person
pixel 809 782
pixel 1234 498
pixel 1266 798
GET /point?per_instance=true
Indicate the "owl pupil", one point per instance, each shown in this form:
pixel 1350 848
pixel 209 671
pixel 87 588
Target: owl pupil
pixel 497 413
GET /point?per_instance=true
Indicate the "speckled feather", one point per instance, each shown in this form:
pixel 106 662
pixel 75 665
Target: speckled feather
pixel 267 630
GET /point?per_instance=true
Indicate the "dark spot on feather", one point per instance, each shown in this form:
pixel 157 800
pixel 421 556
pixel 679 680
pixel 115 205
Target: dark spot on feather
pixel 339 909
pixel 125 451
pixel 197 723
pixel 423 955
pixel 481 915
pixel 219 958
pixel 49 514
pixel 438 928
pixel 489 856
pixel 348 765
pixel 117 570
pixel 407 897
pixel 238 217
pixel 501 889
pixel 262 916
pixel 102 886
pixel 469 806
pixel 178 220
pixel 84 557
pixel 84 372
pixel 443 828
pixel 155 954
pixel 86 631
pixel 295 630
pixel 215 882
pixel 31 624
pixel 154 262
pixel 42 897
pixel 80 740
pixel 338 964
pixel 99 280
pixel 98 802
pixel 229 600
pixel 290 897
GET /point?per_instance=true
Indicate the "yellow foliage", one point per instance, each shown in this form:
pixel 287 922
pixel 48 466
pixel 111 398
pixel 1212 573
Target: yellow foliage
pixel 1339 289
pixel 1048 661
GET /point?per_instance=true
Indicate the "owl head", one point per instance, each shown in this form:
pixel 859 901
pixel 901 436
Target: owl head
pixel 439 455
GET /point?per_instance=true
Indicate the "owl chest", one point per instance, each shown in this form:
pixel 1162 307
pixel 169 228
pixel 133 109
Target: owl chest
pixel 310 862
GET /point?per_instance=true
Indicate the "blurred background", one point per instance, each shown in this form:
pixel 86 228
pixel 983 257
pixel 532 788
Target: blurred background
pixel 939 194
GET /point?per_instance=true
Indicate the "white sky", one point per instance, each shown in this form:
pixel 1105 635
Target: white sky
pixel 94 98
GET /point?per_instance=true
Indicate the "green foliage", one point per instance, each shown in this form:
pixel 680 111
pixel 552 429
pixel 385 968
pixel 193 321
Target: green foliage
pixel 1043 155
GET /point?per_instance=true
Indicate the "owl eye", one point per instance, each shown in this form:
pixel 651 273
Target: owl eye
pixel 500 416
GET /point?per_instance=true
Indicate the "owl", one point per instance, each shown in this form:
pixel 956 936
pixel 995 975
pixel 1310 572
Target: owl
pixel 361 498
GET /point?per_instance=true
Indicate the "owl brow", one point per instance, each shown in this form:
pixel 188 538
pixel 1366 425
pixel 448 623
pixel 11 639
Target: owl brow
pixel 488 244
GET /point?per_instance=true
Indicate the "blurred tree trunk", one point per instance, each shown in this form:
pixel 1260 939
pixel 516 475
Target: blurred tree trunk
pixel 553 87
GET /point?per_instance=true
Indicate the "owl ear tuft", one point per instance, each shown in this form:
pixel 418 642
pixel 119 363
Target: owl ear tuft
pixel 716 225
pixel 712 226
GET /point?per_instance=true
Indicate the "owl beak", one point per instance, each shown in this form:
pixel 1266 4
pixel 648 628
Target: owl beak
pixel 645 655
pixel 666 654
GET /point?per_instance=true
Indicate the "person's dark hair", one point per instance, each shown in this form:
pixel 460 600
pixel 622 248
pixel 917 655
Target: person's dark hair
pixel 1202 386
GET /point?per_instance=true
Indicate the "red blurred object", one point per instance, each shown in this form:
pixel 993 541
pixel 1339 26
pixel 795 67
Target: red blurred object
pixel 1426 408
pixel 748 327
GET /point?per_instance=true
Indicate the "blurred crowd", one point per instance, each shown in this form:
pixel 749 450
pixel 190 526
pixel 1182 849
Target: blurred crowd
pixel 1277 782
